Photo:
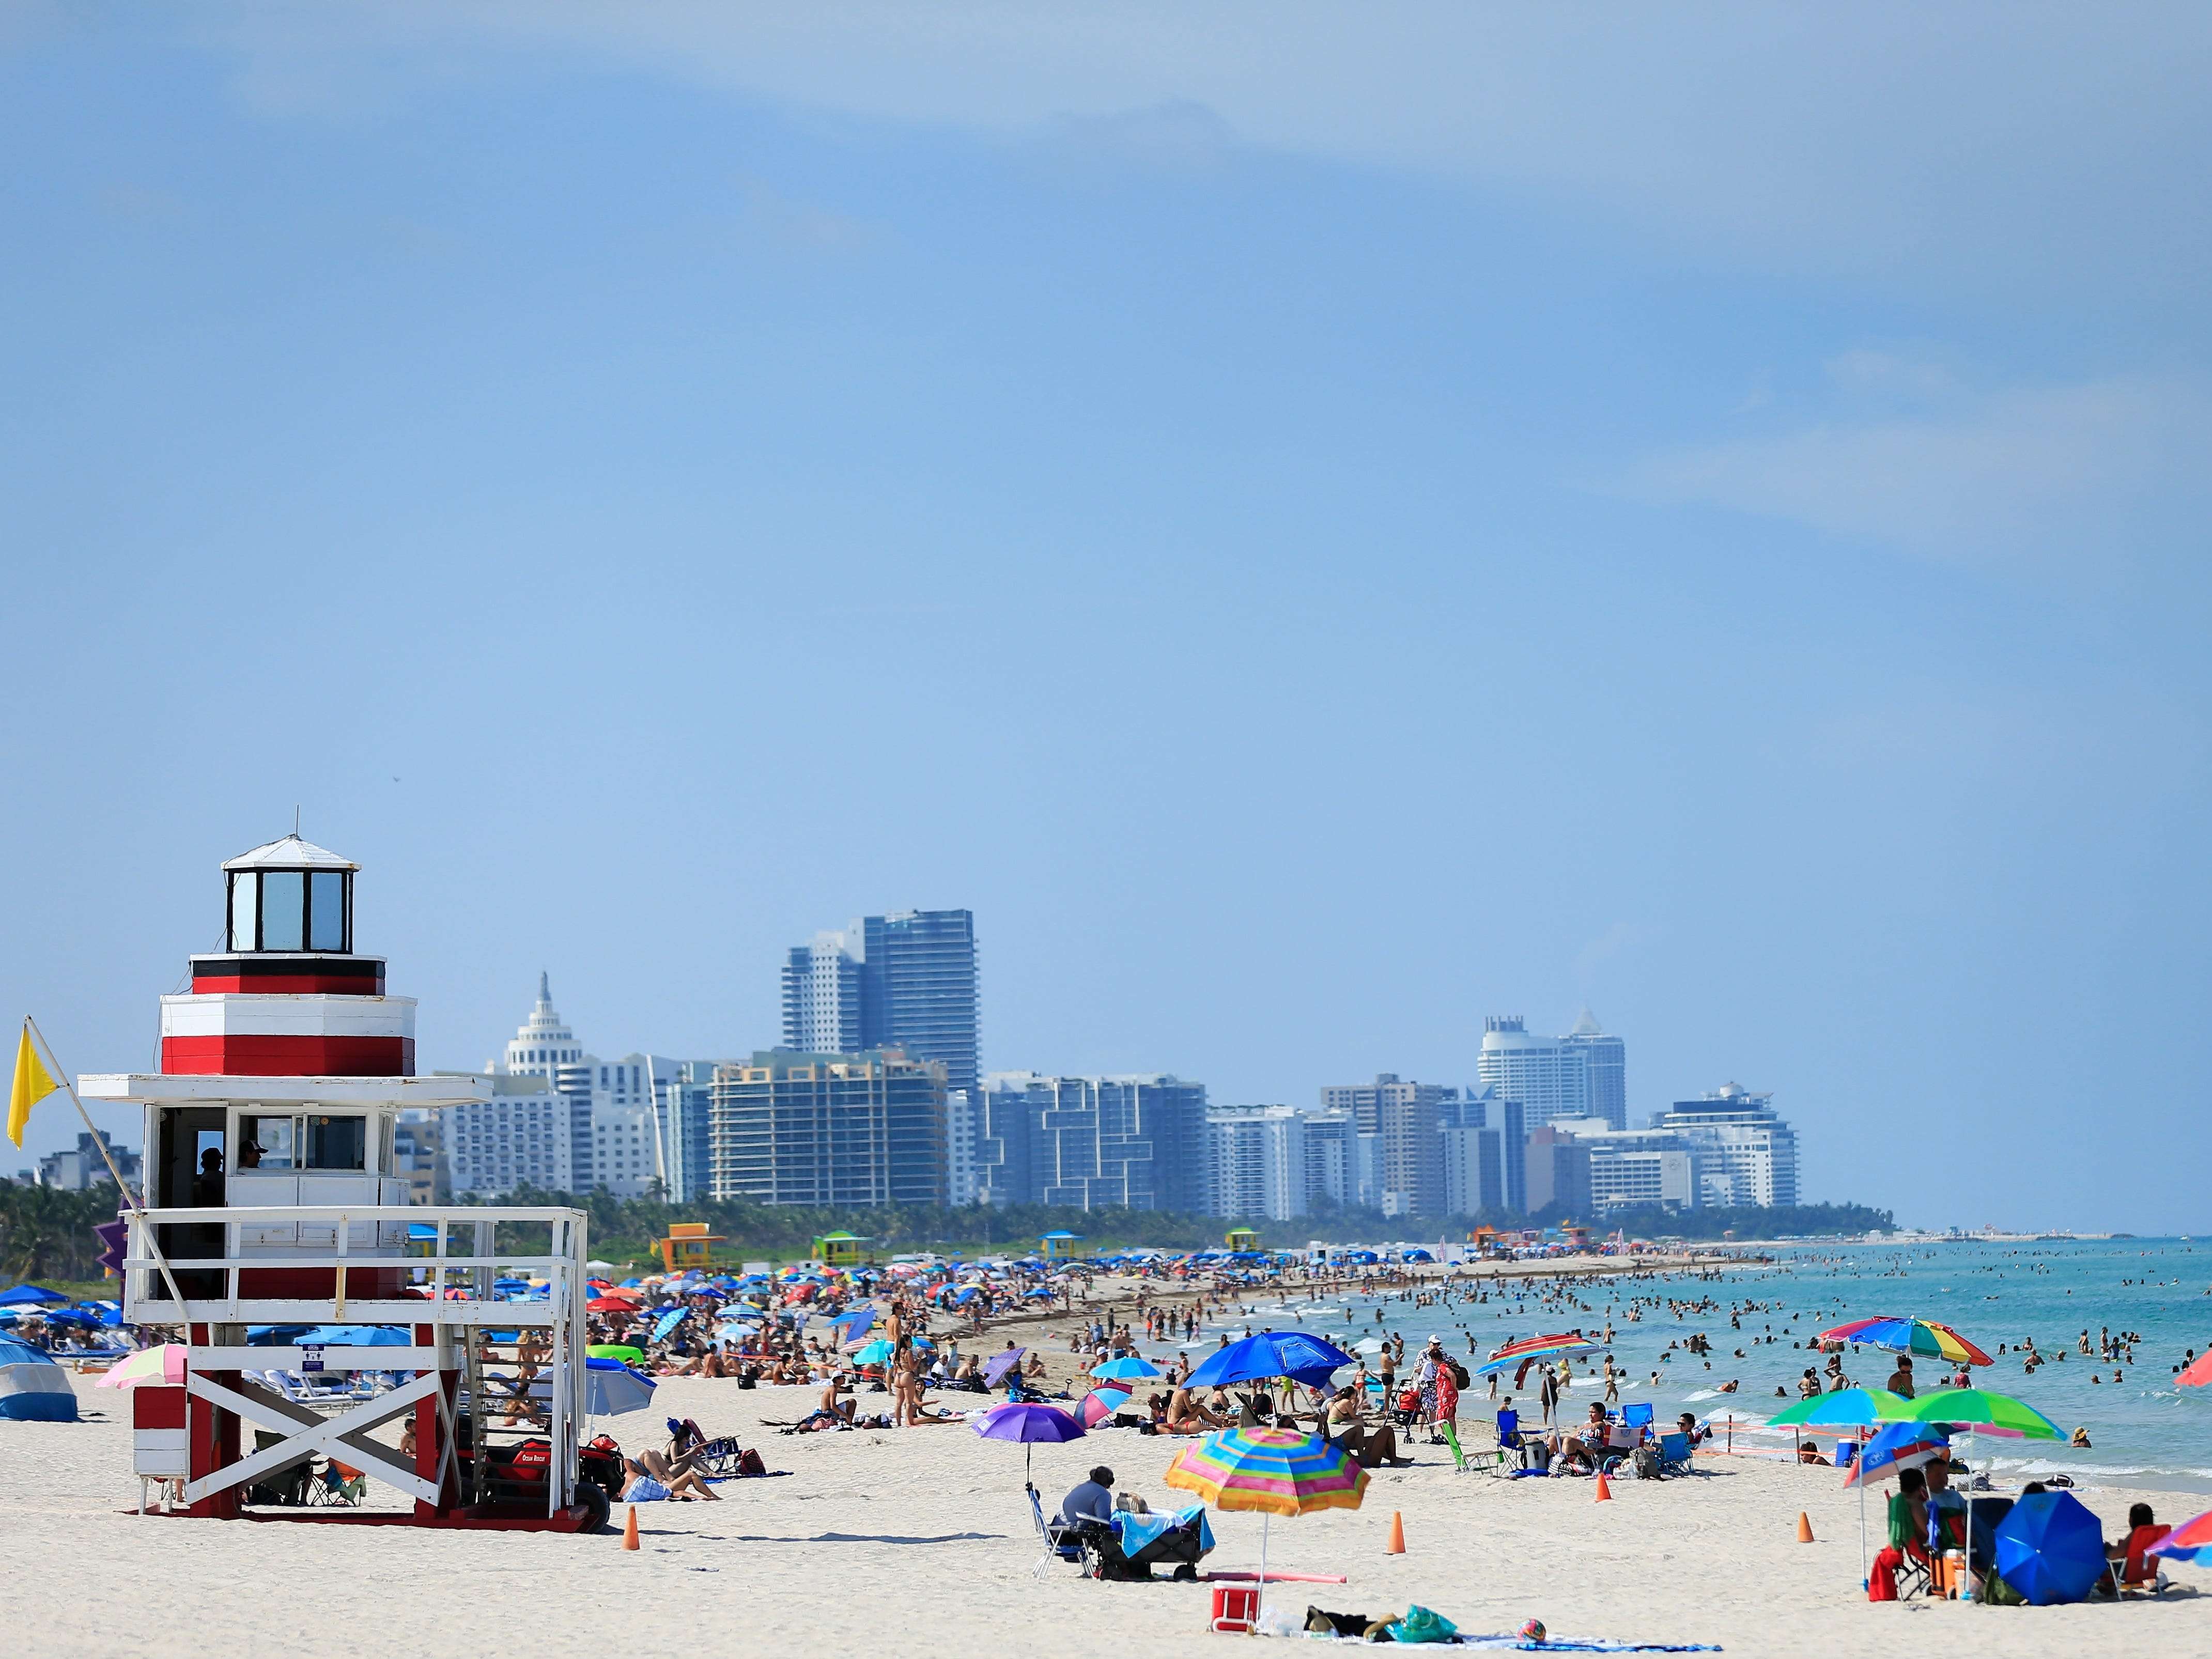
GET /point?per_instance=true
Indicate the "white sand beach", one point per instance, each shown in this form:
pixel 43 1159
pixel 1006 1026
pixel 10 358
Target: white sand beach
pixel 920 1541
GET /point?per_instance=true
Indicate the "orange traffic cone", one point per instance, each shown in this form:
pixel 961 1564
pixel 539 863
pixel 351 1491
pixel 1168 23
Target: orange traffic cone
pixel 1604 1491
pixel 1804 1527
pixel 630 1530
pixel 1397 1544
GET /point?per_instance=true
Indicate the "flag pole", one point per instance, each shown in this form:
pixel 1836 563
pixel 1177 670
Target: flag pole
pixel 136 1202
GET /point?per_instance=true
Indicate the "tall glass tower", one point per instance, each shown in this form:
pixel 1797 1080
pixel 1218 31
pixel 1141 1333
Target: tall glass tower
pixel 903 981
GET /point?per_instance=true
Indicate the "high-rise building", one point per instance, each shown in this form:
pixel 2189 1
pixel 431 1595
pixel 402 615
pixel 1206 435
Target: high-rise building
pixel 1745 1154
pixel 1402 1118
pixel 615 1132
pixel 1582 1074
pixel 1630 1168
pixel 1483 1108
pixel 904 981
pixel 684 1097
pixel 822 996
pixel 1475 1169
pixel 519 1137
pixel 1135 1142
pixel 1332 1141
pixel 1559 1175
pixel 82 1167
pixel 828 1130
pixel 1257 1156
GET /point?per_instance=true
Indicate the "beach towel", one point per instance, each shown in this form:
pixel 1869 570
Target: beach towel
pixel 1135 1531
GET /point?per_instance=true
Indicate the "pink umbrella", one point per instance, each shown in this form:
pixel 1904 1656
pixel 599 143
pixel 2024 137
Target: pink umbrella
pixel 163 1365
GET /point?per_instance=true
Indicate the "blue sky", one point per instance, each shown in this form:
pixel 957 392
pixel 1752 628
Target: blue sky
pixel 1317 524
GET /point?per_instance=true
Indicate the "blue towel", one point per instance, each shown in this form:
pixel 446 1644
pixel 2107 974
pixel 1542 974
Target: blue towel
pixel 1135 1531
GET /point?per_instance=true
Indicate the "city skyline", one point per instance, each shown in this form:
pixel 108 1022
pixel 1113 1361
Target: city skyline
pixel 1312 554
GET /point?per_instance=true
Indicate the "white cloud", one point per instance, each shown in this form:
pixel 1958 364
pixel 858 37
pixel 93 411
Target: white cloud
pixel 2009 142
pixel 2049 474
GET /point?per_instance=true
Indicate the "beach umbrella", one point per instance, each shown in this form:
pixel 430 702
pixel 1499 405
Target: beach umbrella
pixel 1979 1409
pixel 854 1325
pixel 1898 1447
pixel 1000 1363
pixel 1029 1425
pixel 1132 1368
pixel 2049 1548
pixel 877 1352
pixel 2190 1541
pixel 1368 1345
pixel 1845 1408
pixel 621 1351
pixel 607 1305
pixel 1923 1338
pixel 1098 1406
pixel 30 1296
pixel 165 1363
pixel 612 1389
pixel 667 1322
pixel 1295 1354
pixel 1274 1471
pixel 2197 1372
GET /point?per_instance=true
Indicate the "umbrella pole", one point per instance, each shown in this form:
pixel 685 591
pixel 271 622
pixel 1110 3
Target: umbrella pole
pixel 1265 1516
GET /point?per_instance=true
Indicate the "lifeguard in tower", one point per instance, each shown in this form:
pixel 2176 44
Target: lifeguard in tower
pixel 273 1202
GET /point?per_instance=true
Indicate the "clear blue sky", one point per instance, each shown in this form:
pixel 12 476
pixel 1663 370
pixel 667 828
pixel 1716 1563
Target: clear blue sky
pixel 1317 524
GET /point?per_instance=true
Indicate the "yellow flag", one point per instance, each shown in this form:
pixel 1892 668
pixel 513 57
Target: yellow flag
pixel 32 1084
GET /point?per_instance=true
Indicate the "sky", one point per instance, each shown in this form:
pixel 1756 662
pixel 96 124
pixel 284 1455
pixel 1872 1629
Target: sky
pixel 1318 524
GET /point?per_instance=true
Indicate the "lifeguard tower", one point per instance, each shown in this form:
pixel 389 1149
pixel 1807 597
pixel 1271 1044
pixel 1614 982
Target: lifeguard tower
pixel 841 1249
pixel 1241 1238
pixel 1061 1246
pixel 273 1201
pixel 689 1245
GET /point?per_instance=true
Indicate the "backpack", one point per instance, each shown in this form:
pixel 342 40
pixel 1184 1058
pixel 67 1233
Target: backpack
pixel 1459 1378
pixel 1645 1460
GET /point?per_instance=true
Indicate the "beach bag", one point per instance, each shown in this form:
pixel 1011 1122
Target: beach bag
pixel 1459 1378
pixel 1423 1624
pixel 749 1462
pixel 1645 1461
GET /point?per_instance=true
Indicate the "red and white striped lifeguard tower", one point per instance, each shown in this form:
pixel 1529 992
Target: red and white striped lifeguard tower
pixel 273 1200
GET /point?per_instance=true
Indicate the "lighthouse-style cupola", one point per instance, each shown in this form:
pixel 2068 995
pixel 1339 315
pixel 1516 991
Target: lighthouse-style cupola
pixel 291 896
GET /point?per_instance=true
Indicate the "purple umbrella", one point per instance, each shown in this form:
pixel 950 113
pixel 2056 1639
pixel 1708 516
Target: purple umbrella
pixel 1028 1424
pixel 996 1367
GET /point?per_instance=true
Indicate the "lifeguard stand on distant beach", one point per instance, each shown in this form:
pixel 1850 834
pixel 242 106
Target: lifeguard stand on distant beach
pixel 274 1201
pixel 1242 1238
pixel 689 1245
pixel 1060 1247
pixel 840 1249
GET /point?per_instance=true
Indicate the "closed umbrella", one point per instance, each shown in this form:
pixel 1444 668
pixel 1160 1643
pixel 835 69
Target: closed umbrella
pixel 2049 1548
pixel 1274 1471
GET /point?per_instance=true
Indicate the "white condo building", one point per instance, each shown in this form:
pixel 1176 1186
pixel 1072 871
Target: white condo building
pixel 1746 1154
pixel 1258 1158
pixel 609 1114
pixel 1580 1074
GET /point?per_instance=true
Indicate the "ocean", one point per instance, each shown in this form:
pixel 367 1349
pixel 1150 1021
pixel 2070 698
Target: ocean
pixel 2142 1432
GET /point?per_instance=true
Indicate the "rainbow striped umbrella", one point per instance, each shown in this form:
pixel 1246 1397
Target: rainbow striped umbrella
pixel 1274 1471
pixel 1923 1337
pixel 2190 1541
pixel 1535 1348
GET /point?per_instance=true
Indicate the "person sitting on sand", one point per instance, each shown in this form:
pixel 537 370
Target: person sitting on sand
pixel 1809 1453
pixel 1090 1500
pixel 654 1479
pixel 1370 1447
pixel 1687 1423
pixel 1187 1416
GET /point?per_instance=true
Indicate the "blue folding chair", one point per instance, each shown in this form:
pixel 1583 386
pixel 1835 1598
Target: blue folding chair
pixel 1674 1454
pixel 1638 1416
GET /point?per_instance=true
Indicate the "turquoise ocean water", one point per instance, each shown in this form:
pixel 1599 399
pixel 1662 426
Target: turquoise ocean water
pixel 2142 1428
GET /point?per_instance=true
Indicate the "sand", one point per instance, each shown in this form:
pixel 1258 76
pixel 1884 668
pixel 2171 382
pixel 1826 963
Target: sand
pixel 920 1540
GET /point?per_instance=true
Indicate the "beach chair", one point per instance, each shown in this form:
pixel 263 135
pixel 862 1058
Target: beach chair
pixel 1062 1541
pixel 340 1486
pixel 2138 1569
pixel 1912 1572
pixel 1505 1460
pixel 1674 1454
pixel 1638 1415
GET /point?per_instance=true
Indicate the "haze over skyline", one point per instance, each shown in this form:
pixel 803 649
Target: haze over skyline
pixel 1315 530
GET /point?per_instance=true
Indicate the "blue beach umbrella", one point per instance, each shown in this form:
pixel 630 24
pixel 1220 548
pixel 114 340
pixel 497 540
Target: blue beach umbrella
pixel 613 1390
pixel 1294 1354
pixel 30 1296
pixel 2050 1548
pixel 667 1322
pixel 1131 1368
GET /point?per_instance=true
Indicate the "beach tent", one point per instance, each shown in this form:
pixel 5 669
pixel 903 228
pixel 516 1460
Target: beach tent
pixel 33 1389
